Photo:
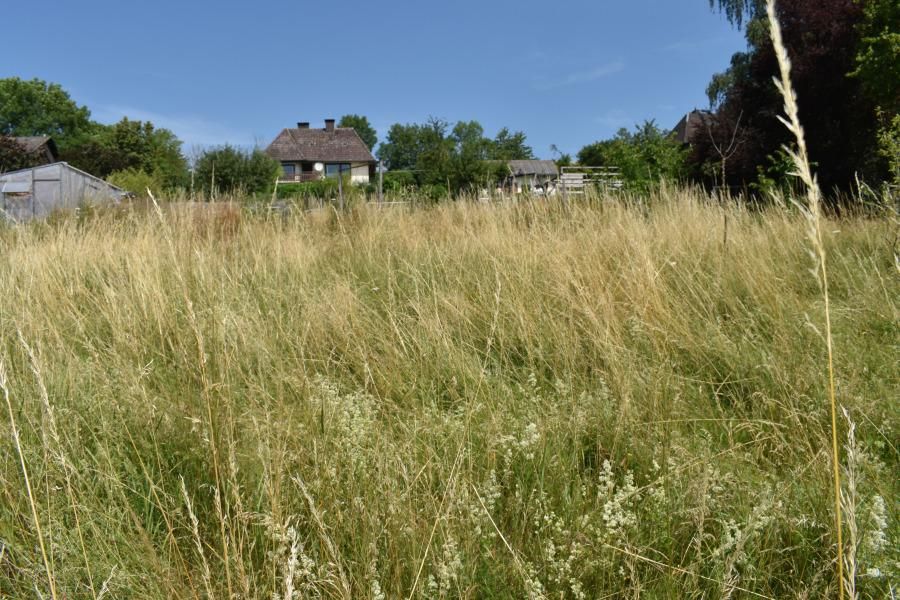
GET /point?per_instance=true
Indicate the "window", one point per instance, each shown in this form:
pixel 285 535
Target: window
pixel 289 169
pixel 332 170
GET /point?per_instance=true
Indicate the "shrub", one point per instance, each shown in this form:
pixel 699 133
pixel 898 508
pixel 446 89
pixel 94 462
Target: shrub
pixel 323 189
pixel 229 169
pixel 137 182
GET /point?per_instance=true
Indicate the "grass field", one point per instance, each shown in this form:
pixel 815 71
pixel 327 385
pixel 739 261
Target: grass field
pixel 467 401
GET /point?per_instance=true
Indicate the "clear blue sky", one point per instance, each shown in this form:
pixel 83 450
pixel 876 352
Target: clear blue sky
pixel 566 72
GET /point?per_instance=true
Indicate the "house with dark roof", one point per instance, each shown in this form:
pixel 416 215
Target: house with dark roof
pixel 532 174
pixel 308 154
pixel 693 123
pixel 40 149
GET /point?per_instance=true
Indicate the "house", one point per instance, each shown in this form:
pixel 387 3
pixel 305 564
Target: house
pixel 308 154
pixel 532 174
pixel 36 192
pixel 22 152
pixel 41 147
pixel 693 123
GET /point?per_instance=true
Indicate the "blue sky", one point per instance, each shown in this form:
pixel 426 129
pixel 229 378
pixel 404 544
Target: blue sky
pixel 566 73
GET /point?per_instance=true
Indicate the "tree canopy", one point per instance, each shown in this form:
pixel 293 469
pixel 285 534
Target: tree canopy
pixel 644 157
pixel 460 157
pixel 823 39
pixel 131 145
pixel 35 107
pixel 228 170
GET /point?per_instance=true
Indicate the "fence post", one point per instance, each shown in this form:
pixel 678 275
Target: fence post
pixel 380 182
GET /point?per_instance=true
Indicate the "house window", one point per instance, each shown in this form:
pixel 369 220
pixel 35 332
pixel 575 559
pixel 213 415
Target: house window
pixel 332 170
pixel 289 170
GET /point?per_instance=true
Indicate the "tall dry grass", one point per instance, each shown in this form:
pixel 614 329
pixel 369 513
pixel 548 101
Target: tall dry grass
pixel 516 400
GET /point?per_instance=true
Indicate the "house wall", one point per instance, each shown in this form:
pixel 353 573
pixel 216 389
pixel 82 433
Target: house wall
pixel 359 172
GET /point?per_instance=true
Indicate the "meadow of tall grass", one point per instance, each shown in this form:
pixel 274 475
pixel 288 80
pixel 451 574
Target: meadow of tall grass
pixel 532 399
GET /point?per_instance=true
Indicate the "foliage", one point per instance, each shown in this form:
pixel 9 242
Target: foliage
pixel 510 146
pixel 138 181
pixel 776 177
pixel 739 11
pixel 402 147
pixel 322 189
pixel 363 128
pixel 822 38
pixel 132 145
pixel 35 107
pixel 397 181
pixel 228 170
pixel 459 157
pixel 13 156
pixel 878 54
pixel 889 147
pixel 644 157
pixel 509 401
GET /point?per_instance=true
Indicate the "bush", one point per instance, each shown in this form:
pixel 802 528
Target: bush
pixel 138 182
pixel 323 189
pixel 398 181
pixel 229 169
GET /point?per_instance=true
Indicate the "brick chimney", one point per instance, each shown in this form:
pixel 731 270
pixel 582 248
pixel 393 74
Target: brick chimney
pixel 329 125
pixel 303 125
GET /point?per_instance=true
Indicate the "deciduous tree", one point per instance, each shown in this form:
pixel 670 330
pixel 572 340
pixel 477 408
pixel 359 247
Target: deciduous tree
pixel 35 107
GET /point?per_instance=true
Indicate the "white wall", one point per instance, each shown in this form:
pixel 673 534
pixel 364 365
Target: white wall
pixel 359 173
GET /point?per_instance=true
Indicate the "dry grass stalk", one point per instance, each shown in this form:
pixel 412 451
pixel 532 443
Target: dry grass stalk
pixel 813 210
pixel 60 456
pixel 34 514
pixel 198 542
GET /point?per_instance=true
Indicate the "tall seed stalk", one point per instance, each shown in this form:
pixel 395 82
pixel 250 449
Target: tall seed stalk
pixel 812 211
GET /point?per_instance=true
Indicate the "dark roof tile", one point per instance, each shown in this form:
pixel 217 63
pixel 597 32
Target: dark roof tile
pixel 319 145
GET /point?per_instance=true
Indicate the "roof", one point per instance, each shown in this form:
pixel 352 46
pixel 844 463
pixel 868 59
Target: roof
pixel 690 124
pixel 35 143
pixel 4 177
pixel 532 167
pixel 342 144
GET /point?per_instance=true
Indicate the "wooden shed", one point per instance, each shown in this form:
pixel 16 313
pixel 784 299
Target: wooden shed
pixel 35 193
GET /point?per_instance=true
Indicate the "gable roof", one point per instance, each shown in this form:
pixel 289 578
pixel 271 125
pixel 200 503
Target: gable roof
pixel 36 143
pixel 690 124
pixel 342 144
pixel 532 167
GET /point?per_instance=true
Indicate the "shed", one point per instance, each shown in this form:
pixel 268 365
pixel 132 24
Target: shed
pixel 532 174
pixel 36 192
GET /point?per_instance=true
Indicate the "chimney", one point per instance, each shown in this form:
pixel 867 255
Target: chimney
pixel 329 125
pixel 303 125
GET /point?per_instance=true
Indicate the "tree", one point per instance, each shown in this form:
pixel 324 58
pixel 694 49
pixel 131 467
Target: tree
pixel 878 55
pixel 36 107
pixel 470 150
pixel 878 71
pixel 457 158
pixel 131 145
pixel 402 147
pixel 435 151
pixel 510 146
pixel 363 128
pixel 738 11
pixel 821 37
pixel 643 157
pixel 231 170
